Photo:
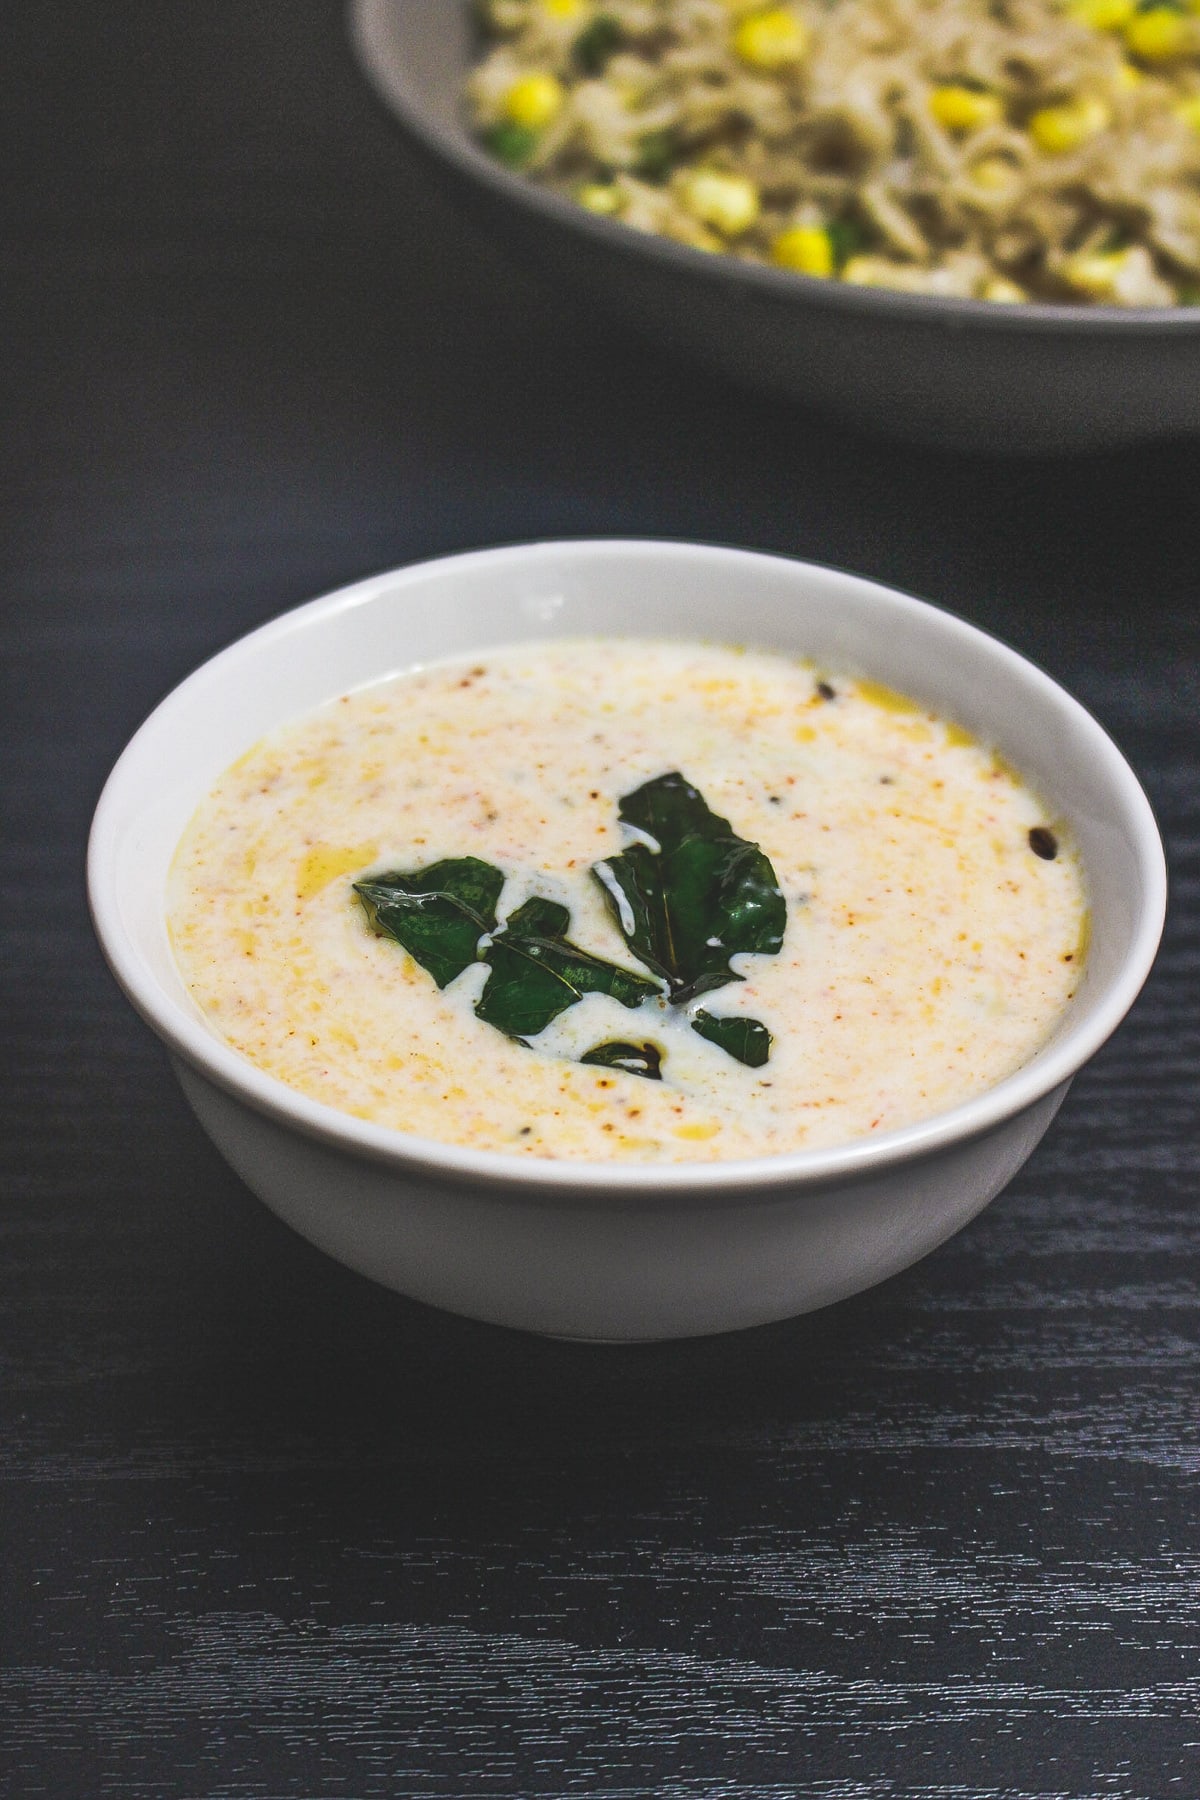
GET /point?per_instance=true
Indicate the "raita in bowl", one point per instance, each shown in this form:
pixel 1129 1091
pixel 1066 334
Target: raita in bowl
pixel 626 899
pixel 538 950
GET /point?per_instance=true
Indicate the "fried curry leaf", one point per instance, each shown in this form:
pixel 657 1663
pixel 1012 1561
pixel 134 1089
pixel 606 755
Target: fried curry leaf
pixel 438 914
pixel 633 1059
pixel 702 895
pixel 536 973
pixel 746 1039
pixel 687 896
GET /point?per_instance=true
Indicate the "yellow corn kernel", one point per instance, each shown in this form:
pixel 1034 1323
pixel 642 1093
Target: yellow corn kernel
pixel 992 172
pixel 563 9
pixel 1001 292
pixel 1096 273
pixel 1189 111
pixel 805 249
pixel 771 40
pixel 1159 35
pixel 964 109
pixel 1057 129
pixel 600 197
pixel 1103 15
pixel 533 101
pixel 729 203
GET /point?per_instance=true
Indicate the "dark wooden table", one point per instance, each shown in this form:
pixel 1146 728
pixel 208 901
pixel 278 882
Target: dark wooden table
pixel 270 1533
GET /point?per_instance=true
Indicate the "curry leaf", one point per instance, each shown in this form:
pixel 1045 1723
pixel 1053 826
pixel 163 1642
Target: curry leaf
pixel 692 896
pixel 633 1059
pixel 687 896
pixel 536 973
pixel 746 1039
pixel 438 914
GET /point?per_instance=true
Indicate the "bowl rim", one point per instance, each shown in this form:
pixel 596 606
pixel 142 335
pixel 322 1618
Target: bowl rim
pixel 187 1036
pixel 367 23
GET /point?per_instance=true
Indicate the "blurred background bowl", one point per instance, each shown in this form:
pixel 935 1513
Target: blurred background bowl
pixel 959 373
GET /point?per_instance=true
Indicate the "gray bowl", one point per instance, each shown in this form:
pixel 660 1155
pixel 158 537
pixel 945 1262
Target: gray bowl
pixel 961 373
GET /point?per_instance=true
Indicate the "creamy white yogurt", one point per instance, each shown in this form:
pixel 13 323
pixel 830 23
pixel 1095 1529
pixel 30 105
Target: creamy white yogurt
pixel 929 951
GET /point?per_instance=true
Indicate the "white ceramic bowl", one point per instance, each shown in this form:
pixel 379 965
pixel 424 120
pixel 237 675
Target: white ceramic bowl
pixel 587 1249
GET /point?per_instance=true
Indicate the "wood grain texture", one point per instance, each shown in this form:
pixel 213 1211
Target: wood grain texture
pixel 269 1533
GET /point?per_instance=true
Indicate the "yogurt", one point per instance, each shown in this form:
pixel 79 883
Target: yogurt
pixel 936 915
